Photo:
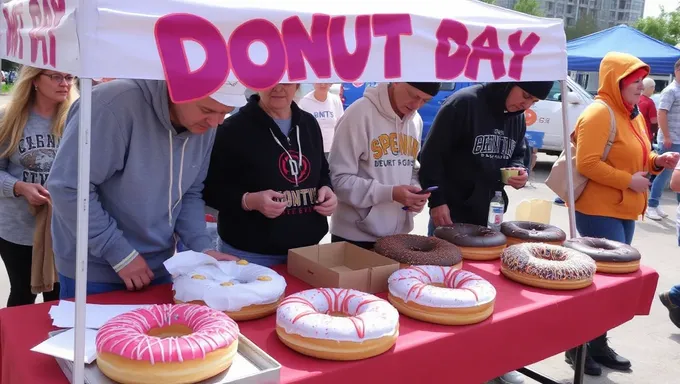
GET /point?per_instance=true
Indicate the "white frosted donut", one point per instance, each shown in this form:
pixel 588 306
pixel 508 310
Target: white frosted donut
pixel 337 324
pixel 442 295
pixel 242 290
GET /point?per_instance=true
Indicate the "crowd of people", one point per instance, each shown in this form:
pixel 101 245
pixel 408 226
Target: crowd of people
pixel 276 170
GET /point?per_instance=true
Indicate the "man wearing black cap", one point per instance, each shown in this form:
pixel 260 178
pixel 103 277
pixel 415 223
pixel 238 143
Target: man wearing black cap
pixel 477 131
pixel 374 163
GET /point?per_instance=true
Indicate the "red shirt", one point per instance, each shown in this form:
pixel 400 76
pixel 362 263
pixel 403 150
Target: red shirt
pixel 648 110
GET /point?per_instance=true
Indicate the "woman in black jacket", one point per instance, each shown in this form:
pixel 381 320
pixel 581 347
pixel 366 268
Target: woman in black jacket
pixel 269 179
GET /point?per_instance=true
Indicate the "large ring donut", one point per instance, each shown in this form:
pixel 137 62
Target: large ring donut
pixel 168 344
pixel 547 266
pixel 441 295
pixel 529 232
pixel 475 241
pixel 419 250
pixel 610 256
pixel 337 324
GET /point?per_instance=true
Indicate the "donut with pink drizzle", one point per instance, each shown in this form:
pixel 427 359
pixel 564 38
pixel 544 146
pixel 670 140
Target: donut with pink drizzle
pixel 167 344
pixel 441 295
pixel 337 324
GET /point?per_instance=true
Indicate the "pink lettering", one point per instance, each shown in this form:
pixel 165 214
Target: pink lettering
pixel 520 51
pixel 256 76
pixel 313 46
pixel 392 27
pixel 44 21
pixel 350 66
pixel 171 31
pixel 15 43
pixel 449 66
pixel 485 47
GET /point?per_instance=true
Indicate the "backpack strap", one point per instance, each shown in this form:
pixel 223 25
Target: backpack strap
pixel 612 130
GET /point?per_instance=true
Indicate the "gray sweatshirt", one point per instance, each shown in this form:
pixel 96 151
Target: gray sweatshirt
pixel 31 163
pixel 146 183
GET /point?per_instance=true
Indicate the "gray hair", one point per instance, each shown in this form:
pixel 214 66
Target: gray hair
pixel 648 82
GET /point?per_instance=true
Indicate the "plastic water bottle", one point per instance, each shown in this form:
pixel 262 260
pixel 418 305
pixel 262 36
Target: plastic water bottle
pixel 496 209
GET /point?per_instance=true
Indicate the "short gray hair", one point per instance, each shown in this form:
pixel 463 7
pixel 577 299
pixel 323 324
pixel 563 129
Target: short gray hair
pixel 648 82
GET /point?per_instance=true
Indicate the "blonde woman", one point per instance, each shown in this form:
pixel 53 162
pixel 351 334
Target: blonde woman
pixel 30 129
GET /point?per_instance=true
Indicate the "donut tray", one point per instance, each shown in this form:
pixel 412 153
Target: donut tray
pixel 251 366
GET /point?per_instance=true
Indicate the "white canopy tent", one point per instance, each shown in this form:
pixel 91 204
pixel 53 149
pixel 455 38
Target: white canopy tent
pixel 197 45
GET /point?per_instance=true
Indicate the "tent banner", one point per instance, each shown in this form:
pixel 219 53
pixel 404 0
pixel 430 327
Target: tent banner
pixel 40 33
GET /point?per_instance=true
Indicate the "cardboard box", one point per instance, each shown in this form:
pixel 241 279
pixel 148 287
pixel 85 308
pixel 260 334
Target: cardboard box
pixel 341 265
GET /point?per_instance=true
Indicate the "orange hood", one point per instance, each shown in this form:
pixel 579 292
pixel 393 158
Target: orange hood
pixel 615 66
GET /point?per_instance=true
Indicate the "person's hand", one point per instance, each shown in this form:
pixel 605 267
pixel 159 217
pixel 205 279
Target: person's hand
pixel 639 182
pixel 137 274
pixel 269 203
pixel 418 207
pixel 667 143
pixel 520 180
pixel 327 201
pixel 35 194
pixel 220 256
pixel 441 215
pixel 667 160
pixel 407 196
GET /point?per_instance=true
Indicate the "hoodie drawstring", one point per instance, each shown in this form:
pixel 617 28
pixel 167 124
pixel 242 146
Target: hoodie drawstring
pixel 171 207
pixel 290 158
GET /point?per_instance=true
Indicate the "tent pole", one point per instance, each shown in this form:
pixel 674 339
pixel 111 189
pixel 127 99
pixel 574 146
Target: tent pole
pixel 566 136
pixel 83 208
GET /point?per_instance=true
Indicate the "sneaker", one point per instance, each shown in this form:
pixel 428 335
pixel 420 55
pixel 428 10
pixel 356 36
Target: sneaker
pixel 559 201
pixel 673 310
pixel 661 212
pixel 653 213
pixel 513 377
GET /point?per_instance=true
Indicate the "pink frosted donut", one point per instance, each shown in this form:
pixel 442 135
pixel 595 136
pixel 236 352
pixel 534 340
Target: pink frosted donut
pixel 166 344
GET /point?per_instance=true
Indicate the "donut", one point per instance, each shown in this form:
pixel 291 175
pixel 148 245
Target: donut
pixel 547 266
pixel 529 232
pixel 337 324
pixel 169 344
pixel 610 256
pixel 419 250
pixel 441 295
pixel 242 290
pixel 474 241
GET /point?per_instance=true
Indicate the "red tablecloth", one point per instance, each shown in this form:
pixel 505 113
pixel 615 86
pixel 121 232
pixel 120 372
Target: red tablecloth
pixel 527 326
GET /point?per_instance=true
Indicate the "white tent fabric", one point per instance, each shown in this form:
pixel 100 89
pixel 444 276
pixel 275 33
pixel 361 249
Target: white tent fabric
pixel 197 45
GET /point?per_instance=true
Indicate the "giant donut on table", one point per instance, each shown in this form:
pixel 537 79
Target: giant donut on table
pixel 475 241
pixel 441 295
pixel 337 324
pixel 419 250
pixel 169 344
pixel 610 256
pixel 547 266
pixel 530 232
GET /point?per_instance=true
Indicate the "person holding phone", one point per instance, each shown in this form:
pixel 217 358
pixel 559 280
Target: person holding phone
pixel 374 163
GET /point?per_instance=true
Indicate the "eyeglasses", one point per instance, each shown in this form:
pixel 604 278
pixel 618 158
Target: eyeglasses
pixel 57 78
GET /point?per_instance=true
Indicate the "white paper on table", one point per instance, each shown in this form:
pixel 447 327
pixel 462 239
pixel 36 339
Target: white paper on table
pixel 96 315
pixel 185 262
pixel 61 346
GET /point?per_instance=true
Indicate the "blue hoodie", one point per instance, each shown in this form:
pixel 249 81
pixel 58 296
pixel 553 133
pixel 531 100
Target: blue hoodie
pixel 146 183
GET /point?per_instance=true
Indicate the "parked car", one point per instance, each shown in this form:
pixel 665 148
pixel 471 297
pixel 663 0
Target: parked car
pixel 545 116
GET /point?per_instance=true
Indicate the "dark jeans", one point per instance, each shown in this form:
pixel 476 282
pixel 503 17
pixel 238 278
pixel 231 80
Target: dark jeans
pixel 17 259
pixel 605 227
pixel 363 244
pixel 675 295
pixel 68 286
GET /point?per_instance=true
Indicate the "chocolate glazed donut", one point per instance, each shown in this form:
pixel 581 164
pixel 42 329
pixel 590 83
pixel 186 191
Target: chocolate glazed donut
pixel 519 232
pixel 419 250
pixel 475 241
pixel 610 256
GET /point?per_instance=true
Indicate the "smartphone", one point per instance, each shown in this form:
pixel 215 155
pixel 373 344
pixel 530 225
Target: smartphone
pixel 427 190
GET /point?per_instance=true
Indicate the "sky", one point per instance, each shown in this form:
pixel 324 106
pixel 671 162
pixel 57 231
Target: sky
pixel 652 6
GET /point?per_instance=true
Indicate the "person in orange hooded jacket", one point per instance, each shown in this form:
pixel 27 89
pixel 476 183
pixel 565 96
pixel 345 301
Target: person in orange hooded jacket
pixel 616 193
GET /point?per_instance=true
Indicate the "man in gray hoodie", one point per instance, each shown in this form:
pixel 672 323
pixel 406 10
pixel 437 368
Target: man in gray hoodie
pixel 149 157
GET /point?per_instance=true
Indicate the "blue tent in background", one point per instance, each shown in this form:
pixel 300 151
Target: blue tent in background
pixel 585 53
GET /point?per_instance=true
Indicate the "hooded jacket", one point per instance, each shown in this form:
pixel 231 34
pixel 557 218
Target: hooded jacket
pixel 145 182
pixel 607 193
pixel 471 139
pixel 373 150
pixel 247 158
